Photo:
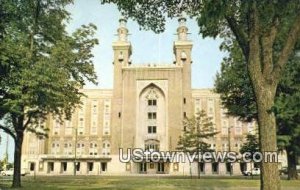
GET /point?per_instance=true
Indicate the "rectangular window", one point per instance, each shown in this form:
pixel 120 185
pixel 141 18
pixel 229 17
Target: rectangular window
pixel 152 103
pixel 154 129
pixel 151 129
pixel 184 101
pixel 151 115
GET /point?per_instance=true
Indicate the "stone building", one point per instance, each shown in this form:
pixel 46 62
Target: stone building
pixel 145 109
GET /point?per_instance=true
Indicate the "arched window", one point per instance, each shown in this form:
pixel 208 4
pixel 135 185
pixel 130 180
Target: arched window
pixel 152 145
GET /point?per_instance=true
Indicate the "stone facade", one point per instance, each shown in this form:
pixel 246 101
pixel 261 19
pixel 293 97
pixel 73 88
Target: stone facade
pixel 145 109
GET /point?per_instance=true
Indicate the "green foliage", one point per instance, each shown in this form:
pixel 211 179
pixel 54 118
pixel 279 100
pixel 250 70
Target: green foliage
pixel 42 66
pixel 238 97
pixel 287 106
pixel 251 145
pixel 234 85
pixel 197 130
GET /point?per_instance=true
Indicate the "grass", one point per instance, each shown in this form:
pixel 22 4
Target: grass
pixel 139 183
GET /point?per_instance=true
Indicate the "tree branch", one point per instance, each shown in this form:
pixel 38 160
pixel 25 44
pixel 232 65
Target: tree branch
pixel 8 131
pixel 291 40
pixel 267 48
pixel 27 122
pixel 239 34
pixel 254 64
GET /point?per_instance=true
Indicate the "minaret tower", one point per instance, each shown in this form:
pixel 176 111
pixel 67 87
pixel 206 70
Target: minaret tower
pixel 122 47
pixel 182 50
pixel 122 53
pixel 182 46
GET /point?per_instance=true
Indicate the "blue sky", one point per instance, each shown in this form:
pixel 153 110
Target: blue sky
pixel 147 47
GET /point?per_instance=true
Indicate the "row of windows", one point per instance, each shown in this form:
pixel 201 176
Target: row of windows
pixel 81 145
pixel 81 130
pixel 153 102
pixel 152 116
pixel 64 166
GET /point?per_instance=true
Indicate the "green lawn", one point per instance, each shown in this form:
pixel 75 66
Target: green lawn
pixel 142 183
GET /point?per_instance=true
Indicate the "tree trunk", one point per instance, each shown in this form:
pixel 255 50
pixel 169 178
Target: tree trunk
pixel 17 160
pixel 264 86
pixel 292 164
pixel 265 93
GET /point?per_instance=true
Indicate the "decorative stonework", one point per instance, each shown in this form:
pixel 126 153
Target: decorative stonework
pixel 152 94
pixel 142 84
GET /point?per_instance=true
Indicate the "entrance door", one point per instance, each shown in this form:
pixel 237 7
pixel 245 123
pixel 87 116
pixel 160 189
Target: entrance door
pixel 32 166
pixel 160 167
pixel 103 166
pixel 143 167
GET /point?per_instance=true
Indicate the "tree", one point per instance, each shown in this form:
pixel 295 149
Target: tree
pixel 251 145
pixel 42 67
pixel 197 130
pixel 287 111
pixel 256 26
pixel 238 97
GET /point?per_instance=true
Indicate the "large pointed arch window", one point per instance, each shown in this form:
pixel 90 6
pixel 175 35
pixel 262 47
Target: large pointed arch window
pixel 152 145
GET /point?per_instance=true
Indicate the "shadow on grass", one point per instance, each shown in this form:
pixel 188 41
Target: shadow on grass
pixel 139 183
